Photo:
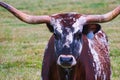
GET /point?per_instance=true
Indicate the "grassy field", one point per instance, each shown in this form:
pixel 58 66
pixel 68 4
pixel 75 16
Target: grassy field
pixel 22 45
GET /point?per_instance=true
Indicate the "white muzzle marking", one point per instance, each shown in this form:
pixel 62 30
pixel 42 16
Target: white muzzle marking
pixel 67 56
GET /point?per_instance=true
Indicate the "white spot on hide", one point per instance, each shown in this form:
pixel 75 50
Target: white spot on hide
pixel 96 62
pixel 41 78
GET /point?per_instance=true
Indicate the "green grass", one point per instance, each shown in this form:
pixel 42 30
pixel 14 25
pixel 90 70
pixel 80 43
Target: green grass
pixel 22 45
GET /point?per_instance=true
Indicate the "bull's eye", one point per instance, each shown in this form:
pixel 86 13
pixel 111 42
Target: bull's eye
pixel 77 35
pixel 57 35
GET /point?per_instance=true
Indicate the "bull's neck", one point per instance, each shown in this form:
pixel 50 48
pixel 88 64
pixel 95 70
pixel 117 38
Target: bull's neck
pixel 66 73
pixel 86 60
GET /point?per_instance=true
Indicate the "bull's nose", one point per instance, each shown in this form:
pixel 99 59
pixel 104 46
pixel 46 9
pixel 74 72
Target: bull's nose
pixel 66 60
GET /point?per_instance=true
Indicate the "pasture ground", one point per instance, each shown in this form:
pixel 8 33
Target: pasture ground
pixel 22 45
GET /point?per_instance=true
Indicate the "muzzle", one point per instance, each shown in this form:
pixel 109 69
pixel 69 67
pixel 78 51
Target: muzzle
pixel 66 61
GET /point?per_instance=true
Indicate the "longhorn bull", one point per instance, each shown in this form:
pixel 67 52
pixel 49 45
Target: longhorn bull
pixel 78 48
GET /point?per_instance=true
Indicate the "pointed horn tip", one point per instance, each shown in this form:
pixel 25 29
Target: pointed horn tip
pixel 2 3
pixel 5 5
pixel 117 8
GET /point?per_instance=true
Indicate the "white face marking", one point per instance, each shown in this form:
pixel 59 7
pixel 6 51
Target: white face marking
pixel 69 40
pixel 78 25
pixel 56 24
pixel 80 48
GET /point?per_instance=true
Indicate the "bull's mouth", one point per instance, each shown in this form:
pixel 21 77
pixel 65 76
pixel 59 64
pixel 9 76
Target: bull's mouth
pixel 66 61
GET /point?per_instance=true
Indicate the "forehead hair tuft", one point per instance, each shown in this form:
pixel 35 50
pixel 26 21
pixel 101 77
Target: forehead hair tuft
pixel 66 19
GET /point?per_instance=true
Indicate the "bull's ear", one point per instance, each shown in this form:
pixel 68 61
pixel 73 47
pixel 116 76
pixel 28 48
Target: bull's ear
pixel 91 29
pixel 50 27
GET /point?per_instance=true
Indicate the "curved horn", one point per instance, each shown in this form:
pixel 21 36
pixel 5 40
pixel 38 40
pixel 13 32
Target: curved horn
pixel 24 17
pixel 103 18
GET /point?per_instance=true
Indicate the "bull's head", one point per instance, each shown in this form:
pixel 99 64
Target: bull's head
pixel 67 29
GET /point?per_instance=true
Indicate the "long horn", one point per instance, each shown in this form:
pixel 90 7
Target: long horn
pixel 25 17
pixel 103 18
